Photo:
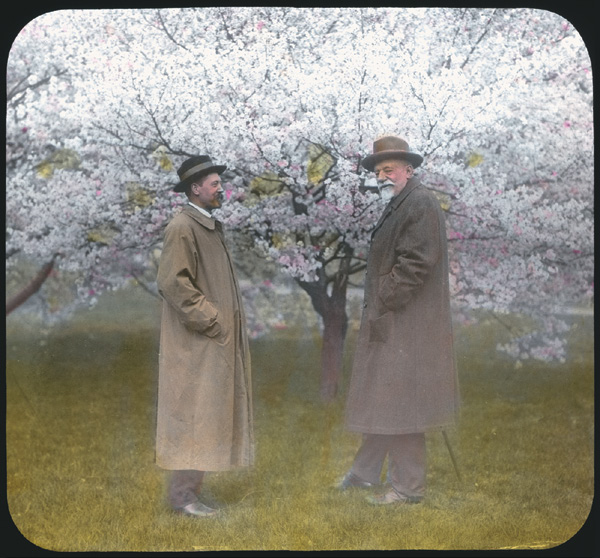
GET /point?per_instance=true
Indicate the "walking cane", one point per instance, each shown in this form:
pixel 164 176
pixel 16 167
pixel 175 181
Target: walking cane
pixel 451 454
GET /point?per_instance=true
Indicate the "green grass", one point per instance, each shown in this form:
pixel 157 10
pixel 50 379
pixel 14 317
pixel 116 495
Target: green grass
pixel 80 438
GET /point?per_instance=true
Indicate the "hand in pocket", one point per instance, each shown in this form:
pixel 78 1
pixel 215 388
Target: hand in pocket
pixel 213 331
pixel 379 329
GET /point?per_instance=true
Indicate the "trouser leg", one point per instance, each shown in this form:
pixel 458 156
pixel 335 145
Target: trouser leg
pixel 370 457
pixel 184 487
pixel 406 461
pixel 407 464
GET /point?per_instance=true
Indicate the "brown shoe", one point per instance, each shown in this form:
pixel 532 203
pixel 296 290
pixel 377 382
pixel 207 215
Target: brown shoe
pixel 196 509
pixel 392 496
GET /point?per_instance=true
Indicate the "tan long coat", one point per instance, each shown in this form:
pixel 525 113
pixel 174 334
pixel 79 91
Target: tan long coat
pixel 404 377
pixel 204 414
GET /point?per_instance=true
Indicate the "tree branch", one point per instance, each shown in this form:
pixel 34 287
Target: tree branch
pixel 17 90
pixel 32 288
pixel 485 32
pixel 168 33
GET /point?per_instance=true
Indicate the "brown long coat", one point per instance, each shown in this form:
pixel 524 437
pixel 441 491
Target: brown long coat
pixel 404 376
pixel 204 414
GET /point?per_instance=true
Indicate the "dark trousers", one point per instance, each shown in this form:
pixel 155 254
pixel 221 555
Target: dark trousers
pixel 184 487
pixel 406 461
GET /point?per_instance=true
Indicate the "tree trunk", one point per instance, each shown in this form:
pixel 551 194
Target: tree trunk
pixel 335 325
pixel 331 306
pixel 30 289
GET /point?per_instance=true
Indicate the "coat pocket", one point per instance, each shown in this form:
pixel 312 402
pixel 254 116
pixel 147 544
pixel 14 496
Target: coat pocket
pixel 213 331
pixel 379 329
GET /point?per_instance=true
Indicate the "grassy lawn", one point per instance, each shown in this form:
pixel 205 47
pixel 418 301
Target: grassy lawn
pixel 80 438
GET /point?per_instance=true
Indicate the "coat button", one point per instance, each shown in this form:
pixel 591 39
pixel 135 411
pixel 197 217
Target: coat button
pixel 365 305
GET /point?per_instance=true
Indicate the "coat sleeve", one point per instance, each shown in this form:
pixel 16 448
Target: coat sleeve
pixel 417 249
pixel 177 282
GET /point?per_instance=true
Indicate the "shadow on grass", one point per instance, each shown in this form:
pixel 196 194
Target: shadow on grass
pixel 80 436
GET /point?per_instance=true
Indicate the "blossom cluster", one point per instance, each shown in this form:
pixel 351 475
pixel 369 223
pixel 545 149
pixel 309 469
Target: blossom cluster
pixel 103 105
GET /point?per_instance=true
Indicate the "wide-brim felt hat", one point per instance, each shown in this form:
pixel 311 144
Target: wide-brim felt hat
pixel 391 147
pixel 194 168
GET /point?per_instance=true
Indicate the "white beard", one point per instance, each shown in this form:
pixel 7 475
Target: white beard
pixel 386 191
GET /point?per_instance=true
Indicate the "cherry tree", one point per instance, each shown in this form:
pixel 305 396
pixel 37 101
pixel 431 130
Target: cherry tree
pixel 103 105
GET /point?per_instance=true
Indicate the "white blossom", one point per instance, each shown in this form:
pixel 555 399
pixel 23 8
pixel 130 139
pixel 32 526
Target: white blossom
pixel 499 102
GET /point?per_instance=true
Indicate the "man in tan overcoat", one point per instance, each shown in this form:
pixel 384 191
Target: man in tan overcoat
pixel 404 380
pixel 204 413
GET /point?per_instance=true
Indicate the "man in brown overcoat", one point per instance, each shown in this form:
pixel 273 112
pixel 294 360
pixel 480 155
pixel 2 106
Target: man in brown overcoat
pixel 404 378
pixel 204 413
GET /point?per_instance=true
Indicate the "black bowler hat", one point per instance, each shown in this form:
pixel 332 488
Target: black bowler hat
pixel 195 168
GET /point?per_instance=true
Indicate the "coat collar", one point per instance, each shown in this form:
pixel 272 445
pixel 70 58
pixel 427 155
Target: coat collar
pixel 396 201
pixel 205 221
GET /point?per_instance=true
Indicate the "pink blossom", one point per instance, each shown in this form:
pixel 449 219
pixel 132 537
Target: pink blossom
pixel 257 112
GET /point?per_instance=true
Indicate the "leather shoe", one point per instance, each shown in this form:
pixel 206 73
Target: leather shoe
pixel 196 509
pixel 392 496
pixel 352 481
